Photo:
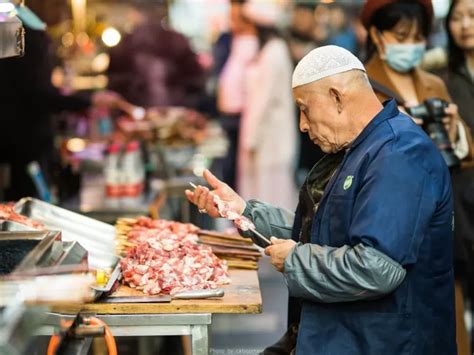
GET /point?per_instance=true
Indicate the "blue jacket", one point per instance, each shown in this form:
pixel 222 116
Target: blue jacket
pixel 392 192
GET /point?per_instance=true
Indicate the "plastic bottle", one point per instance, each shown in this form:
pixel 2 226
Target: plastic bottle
pixel 112 172
pixel 133 170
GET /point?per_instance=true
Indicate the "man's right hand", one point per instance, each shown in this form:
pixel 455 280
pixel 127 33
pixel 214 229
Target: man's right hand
pixel 203 198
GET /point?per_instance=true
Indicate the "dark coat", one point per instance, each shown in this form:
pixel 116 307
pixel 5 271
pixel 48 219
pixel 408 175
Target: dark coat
pixel 461 88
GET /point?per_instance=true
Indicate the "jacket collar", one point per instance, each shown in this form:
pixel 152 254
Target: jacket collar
pixel 389 110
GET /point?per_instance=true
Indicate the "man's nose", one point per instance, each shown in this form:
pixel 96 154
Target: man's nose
pixel 303 124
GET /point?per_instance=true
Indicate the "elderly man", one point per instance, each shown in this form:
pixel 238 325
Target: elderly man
pixel 369 249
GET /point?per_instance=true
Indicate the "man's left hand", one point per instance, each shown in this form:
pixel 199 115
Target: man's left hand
pixel 278 252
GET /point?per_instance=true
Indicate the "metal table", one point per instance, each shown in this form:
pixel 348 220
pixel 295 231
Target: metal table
pixel 126 325
pixel 179 317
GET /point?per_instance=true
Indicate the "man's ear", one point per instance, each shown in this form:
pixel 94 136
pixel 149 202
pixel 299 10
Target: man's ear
pixel 336 97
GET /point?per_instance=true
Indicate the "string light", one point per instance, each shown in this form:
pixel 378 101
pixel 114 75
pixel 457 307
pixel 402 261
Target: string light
pixel 111 37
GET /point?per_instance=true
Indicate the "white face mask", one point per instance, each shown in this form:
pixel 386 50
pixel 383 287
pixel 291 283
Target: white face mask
pixel 404 57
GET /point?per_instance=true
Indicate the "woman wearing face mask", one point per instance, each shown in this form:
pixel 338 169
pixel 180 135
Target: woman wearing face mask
pixel 459 78
pixel 397 32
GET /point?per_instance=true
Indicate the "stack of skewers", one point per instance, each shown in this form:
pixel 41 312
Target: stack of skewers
pixel 239 252
pixel 122 227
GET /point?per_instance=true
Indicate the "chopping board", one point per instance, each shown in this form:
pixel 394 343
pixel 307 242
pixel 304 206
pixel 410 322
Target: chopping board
pixel 241 296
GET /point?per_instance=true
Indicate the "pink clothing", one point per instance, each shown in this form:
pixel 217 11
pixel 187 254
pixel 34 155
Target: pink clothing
pixel 232 80
pixel 268 136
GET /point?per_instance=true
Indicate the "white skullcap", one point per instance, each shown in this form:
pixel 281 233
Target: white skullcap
pixel 323 62
pixel 264 12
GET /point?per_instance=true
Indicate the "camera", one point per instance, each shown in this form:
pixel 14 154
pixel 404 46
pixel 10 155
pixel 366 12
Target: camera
pixel 432 112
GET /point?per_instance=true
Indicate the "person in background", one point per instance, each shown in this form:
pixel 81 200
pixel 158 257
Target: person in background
pixel 361 36
pixel 230 90
pixel 321 24
pixel 155 65
pixel 28 99
pixel 459 78
pixel 301 42
pixel 265 163
pixel 341 32
pixel 397 32
pixel 220 52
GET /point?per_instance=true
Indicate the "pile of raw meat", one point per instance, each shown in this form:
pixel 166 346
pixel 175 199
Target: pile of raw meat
pixel 7 213
pixel 165 258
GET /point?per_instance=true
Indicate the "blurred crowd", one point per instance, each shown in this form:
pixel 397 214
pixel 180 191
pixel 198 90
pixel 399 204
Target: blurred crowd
pixel 253 63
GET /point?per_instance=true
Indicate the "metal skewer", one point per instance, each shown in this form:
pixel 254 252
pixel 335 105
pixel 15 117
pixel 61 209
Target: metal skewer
pixel 252 229
pixel 260 235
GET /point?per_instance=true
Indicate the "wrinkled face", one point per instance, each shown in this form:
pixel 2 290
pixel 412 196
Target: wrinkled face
pixel 320 118
pixel 461 24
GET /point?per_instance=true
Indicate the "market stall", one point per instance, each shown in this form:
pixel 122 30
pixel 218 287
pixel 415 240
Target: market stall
pixel 136 164
pixel 169 302
pixel 109 159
